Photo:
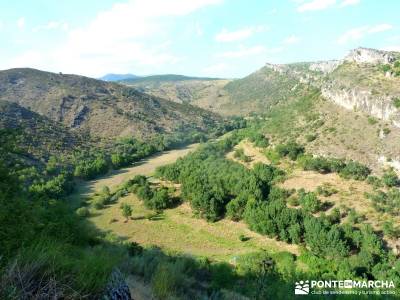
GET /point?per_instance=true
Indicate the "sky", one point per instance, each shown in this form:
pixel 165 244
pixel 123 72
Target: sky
pixel 215 38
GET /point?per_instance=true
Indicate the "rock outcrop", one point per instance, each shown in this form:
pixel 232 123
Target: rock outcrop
pixel 325 66
pixel 362 100
pixel 371 56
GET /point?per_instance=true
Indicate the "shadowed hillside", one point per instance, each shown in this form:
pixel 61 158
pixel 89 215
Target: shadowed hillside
pixel 89 105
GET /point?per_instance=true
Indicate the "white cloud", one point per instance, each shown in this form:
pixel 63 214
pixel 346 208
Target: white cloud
pixel 129 36
pixel 380 28
pixel 52 25
pixel 21 23
pixel 349 2
pixel 243 51
pixel 316 5
pixel 291 40
pixel 238 35
pixel 358 33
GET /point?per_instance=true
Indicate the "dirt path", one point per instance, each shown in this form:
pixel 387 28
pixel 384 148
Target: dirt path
pixel 144 167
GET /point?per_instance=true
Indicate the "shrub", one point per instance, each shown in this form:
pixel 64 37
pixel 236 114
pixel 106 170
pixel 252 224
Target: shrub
pixel 105 190
pixel 290 149
pixel 243 238
pixel 239 154
pixel 324 240
pixel 294 201
pixel 126 211
pixel 235 208
pixel 335 216
pixel 272 156
pixel 355 171
pixel 326 190
pixel 99 203
pixel 396 102
pixel 374 181
pixel 259 140
pixel 90 168
pixel 372 120
pixel 160 200
pixel 386 131
pixel 319 164
pixel 388 202
pixel 385 68
pixel 354 217
pixel 309 202
pixel 389 230
pixel 83 212
pixel 390 178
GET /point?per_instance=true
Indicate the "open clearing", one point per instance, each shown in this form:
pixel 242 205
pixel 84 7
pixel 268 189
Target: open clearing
pixel 178 230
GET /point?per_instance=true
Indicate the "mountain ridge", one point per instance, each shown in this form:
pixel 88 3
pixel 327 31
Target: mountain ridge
pixel 85 104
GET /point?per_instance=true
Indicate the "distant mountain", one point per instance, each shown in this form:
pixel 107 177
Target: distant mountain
pixel 203 92
pixel 165 78
pixel 99 108
pixel 118 77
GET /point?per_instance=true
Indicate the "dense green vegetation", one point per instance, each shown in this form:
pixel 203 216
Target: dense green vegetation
pixel 89 164
pixel 215 187
pixel 210 182
pixel 346 169
pixel 45 247
pixel 43 239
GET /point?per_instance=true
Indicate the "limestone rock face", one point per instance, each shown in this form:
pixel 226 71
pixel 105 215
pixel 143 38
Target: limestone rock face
pixel 354 99
pixel 325 66
pixel 372 56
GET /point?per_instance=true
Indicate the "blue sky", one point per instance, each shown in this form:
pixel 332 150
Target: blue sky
pixel 221 38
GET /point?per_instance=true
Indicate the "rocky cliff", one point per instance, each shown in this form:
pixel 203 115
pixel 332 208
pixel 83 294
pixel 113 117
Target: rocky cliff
pixel 360 82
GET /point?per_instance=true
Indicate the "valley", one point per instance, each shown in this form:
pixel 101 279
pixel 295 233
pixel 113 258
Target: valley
pixel 192 186
pixel 116 177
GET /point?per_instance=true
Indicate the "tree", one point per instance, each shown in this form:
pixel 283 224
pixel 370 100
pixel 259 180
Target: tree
pixel 126 211
pixel 83 212
pixel 309 202
pixel 160 200
pixel 324 241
